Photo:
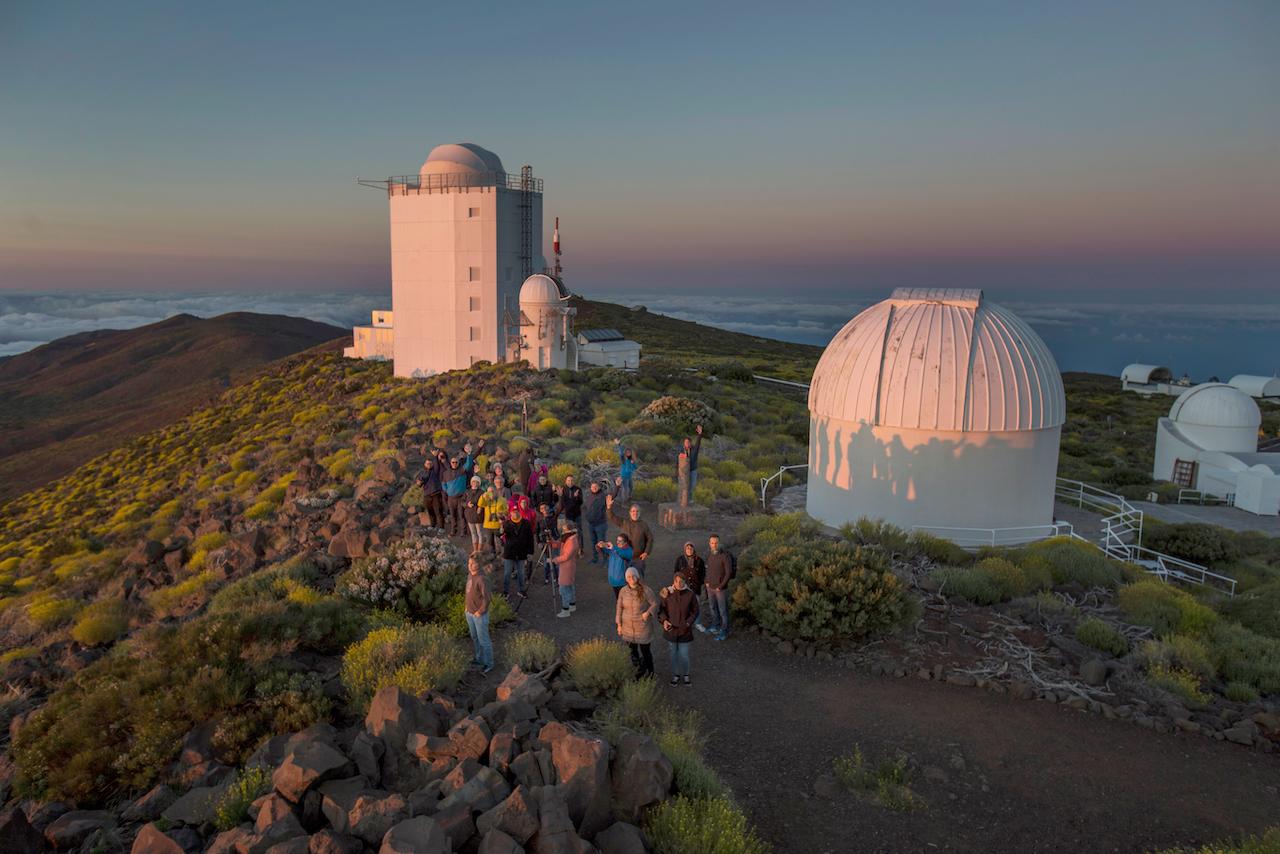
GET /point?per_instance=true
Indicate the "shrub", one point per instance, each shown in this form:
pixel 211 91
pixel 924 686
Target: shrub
pixel 1181 683
pixel 233 807
pixel 967 583
pixel 1257 609
pixel 693 777
pixel 51 613
pixel 558 472
pixel 261 510
pixel 1164 608
pixel 1267 843
pixel 822 591
pixel 18 653
pixel 599 667
pixel 453 614
pixel 100 623
pixel 413 498
pixel 876 532
pixel 417 658
pixel 549 426
pixel 429 565
pixel 532 651
pixel 1178 652
pixel 684 825
pixel 678 414
pixel 210 542
pixel 732 371
pixel 1074 562
pixel 1193 541
pixel 1240 655
pixel 886 783
pixel 937 549
pixel 1102 636
pixel 602 455
pixel 1240 692
pixel 281 702
pixel 762 534
pixel 1006 576
pixel 166 600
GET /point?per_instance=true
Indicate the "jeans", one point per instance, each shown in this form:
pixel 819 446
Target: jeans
pixel 480 642
pixel 510 565
pixel 568 595
pixel 642 659
pixel 693 482
pixel 625 494
pixel 599 534
pixel 491 539
pixel 679 657
pixel 718 600
pixel 457 522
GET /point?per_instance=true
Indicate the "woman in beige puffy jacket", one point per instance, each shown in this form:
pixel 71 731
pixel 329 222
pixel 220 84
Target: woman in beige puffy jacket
pixel 636 611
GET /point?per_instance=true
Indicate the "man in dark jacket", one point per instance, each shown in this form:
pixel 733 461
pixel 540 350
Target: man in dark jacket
pixel 637 532
pixel 432 492
pixel 454 483
pixel 721 568
pixel 542 493
pixel 517 545
pixel 593 510
pixel 678 611
pixel 571 506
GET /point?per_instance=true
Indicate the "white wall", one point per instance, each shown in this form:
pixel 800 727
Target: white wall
pixel 548 330
pixel 931 478
pixel 602 355
pixel 434 245
pixel 371 342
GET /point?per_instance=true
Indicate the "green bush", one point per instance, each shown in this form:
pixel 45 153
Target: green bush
pixel 1164 608
pixel 937 549
pixel 679 415
pixel 1178 652
pixel 100 623
pixel 280 702
pixel 1183 684
pixel 655 489
pixel 453 614
pixel 684 825
pixel 419 572
pixel 417 658
pixel 1240 655
pixel 532 651
pixel 967 583
pixel 1240 692
pixel 413 498
pixel 1074 562
pixel 1257 609
pixel 877 532
pixel 599 667
pixel 50 613
pixel 1193 541
pixel 546 427
pixel 1006 576
pixel 732 371
pixel 558 472
pixel 233 807
pixel 693 777
pixel 886 783
pixel 821 591
pixel 1102 636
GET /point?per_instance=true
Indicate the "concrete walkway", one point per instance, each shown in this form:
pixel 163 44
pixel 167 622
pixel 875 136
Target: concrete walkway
pixel 1227 517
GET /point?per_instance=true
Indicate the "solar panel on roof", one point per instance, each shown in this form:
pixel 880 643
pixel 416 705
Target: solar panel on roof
pixel 596 335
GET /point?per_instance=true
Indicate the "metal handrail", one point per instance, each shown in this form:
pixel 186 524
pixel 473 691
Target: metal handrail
pixel 406 184
pixel 991 536
pixel 765 481
pixel 1201 497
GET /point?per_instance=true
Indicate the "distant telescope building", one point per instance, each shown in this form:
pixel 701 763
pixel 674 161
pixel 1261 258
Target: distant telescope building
pixel 1209 443
pixel 1147 380
pixel 608 347
pixel 936 409
pixel 465 235
pixel 1263 388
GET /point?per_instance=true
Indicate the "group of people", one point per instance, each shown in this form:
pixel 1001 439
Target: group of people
pixel 538 518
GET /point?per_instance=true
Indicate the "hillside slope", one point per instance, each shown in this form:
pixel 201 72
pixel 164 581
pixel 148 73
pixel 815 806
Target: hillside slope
pixel 77 397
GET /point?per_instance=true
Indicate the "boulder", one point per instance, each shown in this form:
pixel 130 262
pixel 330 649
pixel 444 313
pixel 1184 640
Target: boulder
pixel 641 775
pixel 502 749
pixel 386 470
pixel 197 746
pixel 582 766
pixel 518 685
pixel 70 829
pixel 527 770
pixel 470 737
pixel 296 845
pixel 150 806
pixel 555 827
pixel 483 791
pixel 307 765
pixel 516 817
pixel 456 820
pixel 329 842
pixel 366 752
pixel 337 797
pixel 497 842
pixel 151 840
pixel 1094 672
pixel 419 835
pixel 374 813
pixel 17 836
pixel 621 838
pixel 350 542
pixel 233 841
pixel 1241 733
pixel 394 715
pixel 195 807
pixel 277 819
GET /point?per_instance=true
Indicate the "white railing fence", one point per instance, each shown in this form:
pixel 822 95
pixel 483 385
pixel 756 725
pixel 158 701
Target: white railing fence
pixel 765 481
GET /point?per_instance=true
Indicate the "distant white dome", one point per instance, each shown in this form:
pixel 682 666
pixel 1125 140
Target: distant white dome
pixel 461 157
pixel 939 359
pixel 1216 405
pixel 540 289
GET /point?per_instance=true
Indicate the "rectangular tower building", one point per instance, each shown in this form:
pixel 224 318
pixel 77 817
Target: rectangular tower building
pixel 464 236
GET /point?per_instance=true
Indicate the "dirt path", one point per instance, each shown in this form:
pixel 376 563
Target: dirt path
pixel 1020 775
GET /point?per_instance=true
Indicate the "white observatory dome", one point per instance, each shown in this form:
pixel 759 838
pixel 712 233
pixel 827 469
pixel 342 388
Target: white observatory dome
pixel 1216 405
pixel 461 158
pixel 935 359
pixel 540 289
pixel 935 409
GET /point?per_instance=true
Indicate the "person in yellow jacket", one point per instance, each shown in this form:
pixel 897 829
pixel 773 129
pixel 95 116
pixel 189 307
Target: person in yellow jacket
pixel 494 507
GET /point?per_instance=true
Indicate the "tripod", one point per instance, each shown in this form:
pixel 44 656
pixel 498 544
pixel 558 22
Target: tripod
pixel 540 560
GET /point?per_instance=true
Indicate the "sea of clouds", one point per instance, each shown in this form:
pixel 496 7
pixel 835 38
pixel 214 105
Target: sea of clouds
pixel 1204 340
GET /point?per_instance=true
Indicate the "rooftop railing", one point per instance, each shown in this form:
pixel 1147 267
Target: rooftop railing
pixel 404 185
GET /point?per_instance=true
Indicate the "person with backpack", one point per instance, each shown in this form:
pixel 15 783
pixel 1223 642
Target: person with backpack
pixel 721 568
pixel 635 614
pixel 678 611
pixel 517 546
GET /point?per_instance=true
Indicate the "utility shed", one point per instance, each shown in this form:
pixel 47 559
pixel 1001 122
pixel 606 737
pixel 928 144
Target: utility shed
pixel 607 347
pixel 940 410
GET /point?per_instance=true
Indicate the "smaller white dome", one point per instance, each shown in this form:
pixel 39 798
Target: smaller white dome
pixel 1216 405
pixel 460 158
pixel 540 289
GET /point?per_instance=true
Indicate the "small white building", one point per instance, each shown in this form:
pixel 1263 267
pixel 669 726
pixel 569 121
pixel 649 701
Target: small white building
pixel 940 410
pixel 609 348
pixel 1263 388
pixel 375 341
pixel 1147 380
pixel 546 324
pixel 1209 442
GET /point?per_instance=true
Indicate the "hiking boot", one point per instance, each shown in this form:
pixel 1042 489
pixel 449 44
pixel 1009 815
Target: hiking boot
pixel 675 680
pixel 700 627
pixel 573 607
pixel 564 612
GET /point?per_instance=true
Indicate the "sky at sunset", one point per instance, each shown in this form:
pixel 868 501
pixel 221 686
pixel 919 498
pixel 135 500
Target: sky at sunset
pixel 1038 150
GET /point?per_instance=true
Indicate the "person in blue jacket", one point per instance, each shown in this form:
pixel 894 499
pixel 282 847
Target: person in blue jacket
pixel 627 465
pixel 620 554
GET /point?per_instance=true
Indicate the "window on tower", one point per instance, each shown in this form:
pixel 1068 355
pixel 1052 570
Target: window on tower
pixel 473 274
pixel 475 333
pixel 474 303
pixel 472 213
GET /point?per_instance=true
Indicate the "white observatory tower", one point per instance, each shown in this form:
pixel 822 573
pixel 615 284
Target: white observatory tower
pixel 464 235
pixel 546 320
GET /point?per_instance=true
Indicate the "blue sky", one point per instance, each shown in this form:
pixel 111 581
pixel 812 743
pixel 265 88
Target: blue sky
pixel 1034 149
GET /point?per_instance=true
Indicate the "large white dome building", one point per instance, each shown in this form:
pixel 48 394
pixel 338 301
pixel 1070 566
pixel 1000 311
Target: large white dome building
pixel 546 324
pixel 937 409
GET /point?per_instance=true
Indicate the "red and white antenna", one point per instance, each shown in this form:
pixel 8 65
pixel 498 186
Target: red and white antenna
pixel 555 245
